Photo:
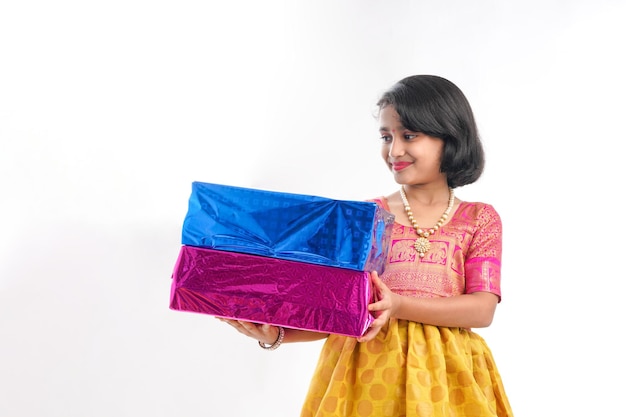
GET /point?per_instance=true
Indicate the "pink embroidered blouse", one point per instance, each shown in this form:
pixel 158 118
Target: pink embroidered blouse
pixel 464 255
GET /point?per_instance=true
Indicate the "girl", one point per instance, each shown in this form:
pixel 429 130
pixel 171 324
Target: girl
pixel 441 277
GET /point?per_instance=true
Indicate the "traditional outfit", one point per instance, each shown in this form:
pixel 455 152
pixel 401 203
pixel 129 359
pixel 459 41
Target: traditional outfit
pixel 414 369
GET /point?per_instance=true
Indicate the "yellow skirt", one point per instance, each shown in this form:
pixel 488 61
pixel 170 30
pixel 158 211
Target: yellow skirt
pixel 409 369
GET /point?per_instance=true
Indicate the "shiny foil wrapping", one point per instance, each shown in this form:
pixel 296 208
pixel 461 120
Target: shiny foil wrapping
pixel 270 290
pixel 345 234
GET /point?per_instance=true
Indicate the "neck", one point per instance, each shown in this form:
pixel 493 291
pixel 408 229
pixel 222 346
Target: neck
pixel 427 196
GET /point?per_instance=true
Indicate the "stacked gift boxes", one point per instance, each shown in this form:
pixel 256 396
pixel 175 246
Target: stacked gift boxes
pixel 286 259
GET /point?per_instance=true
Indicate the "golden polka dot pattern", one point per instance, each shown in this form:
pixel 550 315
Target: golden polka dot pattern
pixel 410 369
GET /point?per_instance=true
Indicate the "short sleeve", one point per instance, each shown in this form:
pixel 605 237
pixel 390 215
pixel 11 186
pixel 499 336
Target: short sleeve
pixel 483 261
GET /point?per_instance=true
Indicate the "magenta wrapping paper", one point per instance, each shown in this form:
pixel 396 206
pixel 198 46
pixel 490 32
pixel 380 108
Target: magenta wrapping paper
pixel 269 290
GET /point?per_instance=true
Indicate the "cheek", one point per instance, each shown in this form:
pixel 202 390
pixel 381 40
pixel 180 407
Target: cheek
pixel 436 159
pixel 440 154
pixel 384 152
pixel 436 150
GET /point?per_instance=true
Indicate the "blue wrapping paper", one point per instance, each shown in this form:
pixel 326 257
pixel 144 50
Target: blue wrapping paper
pixel 317 230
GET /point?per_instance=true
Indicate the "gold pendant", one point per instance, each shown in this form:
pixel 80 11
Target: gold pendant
pixel 421 245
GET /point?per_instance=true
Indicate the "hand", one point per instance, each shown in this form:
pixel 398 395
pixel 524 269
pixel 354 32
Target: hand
pixel 381 309
pixel 264 333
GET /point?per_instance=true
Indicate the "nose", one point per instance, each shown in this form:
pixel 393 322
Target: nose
pixel 396 148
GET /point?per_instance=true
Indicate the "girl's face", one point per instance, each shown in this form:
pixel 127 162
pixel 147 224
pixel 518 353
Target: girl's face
pixel 413 157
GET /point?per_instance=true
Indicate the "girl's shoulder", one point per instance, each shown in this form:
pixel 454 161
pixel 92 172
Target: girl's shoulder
pixel 477 209
pixel 483 216
pixel 381 201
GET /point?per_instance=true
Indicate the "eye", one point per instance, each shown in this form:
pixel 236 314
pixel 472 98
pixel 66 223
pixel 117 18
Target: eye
pixel 385 138
pixel 409 136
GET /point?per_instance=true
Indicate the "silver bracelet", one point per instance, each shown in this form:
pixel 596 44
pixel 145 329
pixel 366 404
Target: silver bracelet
pixel 279 340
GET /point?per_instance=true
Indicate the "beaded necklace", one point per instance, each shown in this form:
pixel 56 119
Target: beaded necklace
pixel 422 244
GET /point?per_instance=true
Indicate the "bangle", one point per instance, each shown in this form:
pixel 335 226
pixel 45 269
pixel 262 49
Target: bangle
pixel 277 342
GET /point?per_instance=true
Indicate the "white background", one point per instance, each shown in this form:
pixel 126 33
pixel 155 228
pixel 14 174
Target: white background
pixel 109 110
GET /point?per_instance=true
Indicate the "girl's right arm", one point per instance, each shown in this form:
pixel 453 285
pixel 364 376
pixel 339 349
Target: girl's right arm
pixel 268 334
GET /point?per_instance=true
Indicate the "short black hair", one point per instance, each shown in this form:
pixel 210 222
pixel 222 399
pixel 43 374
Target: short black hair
pixel 437 107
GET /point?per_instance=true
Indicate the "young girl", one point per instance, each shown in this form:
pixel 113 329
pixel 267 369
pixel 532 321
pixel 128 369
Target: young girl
pixel 441 278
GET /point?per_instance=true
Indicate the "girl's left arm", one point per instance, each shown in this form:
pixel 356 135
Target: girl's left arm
pixel 466 310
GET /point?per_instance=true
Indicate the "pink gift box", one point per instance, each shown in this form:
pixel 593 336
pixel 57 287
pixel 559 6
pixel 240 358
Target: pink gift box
pixel 269 290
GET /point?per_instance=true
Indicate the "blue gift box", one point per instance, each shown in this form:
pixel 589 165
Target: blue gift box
pixel 318 230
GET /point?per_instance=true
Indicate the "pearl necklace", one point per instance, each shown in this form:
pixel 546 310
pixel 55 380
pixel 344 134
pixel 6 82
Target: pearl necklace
pixel 422 244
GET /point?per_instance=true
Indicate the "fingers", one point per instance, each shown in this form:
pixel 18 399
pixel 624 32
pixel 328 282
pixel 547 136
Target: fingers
pixel 265 333
pixel 381 308
pixel 384 296
pixel 247 328
pixel 380 322
pixel 383 303
pixel 378 283
pixel 373 330
pixel 241 326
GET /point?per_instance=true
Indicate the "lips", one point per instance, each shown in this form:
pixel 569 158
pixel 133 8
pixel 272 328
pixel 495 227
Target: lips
pixel 399 166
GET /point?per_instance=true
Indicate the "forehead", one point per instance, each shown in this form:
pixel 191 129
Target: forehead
pixel 389 118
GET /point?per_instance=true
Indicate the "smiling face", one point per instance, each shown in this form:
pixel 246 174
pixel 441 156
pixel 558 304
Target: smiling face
pixel 413 157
